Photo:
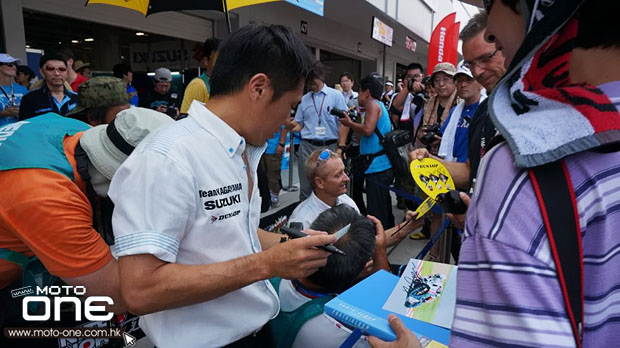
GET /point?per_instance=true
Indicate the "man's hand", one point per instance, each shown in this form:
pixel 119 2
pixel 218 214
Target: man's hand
pixel 279 149
pixel 162 108
pixel 417 87
pixel 405 338
pixel 298 258
pixel 346 120
pixel 292 126
pixel 419 154
pixel 10 112
pixel 459 219
pixel 398 233
pixel 379 256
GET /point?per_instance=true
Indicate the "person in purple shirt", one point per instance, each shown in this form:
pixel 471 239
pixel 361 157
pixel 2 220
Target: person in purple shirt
pixel 558 101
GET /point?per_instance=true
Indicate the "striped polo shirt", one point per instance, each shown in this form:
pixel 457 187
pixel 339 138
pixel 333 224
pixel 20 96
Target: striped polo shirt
pixel 508 292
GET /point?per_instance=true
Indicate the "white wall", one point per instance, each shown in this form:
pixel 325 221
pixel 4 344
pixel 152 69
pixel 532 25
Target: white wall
pixel 14 33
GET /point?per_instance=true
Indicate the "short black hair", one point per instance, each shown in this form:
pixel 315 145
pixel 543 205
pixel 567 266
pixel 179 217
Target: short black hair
pixel 317 72
pixel 413 66
pixel 374 83
pixel 273 50
pixel 25 69
pixel 121 69
pixel 594 29
pixel 210 46
pixel 347 75
pixel 342 271
pixel 53 55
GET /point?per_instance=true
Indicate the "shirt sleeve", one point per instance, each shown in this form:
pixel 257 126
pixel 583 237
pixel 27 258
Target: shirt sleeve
pixel 55 222
pixel 299 115
pixel 155 203
pixel 341 103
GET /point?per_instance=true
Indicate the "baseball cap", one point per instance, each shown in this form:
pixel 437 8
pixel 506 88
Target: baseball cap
pixel 389 83
pixel 163 75
pixel 462 69
pixel 446 68
pixel 6 58
pixel 107 146
pixel 99 92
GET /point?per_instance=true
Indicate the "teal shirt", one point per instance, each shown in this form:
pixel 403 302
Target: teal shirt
pixel 38 143
pixel 371 144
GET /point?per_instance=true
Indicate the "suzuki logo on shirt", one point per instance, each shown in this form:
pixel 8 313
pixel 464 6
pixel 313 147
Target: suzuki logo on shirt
pixel 223 202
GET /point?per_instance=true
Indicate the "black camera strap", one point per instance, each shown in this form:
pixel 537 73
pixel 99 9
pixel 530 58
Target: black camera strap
pixel 102 208
pixel 556 198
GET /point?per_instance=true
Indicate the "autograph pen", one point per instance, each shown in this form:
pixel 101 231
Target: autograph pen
pixel 294 233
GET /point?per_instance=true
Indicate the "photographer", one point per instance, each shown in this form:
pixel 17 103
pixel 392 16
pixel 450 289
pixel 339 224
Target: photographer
pixel 379 169
pixel 438 108
pixel 410 100
pixel 161 97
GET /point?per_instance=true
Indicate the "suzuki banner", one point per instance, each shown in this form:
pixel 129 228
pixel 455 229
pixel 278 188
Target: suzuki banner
pixel 444 42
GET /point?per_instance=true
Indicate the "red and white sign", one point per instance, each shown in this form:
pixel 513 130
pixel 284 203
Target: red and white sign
pixel 444 42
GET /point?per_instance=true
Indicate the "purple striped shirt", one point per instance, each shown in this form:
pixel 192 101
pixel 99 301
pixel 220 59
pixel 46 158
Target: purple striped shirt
pixel 507 290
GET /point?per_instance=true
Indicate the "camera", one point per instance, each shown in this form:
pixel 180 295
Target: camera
pixel 353 115
pixel 431 131
pixel 451 202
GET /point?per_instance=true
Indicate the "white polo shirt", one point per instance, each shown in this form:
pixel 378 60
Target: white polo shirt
pixel 182 196
pixel 308 210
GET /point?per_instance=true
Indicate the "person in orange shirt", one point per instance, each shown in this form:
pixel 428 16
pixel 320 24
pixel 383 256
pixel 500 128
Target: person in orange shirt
pixel 54 171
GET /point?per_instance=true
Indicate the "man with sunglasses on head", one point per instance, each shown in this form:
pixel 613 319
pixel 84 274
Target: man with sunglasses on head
pixel 12 93
pixel 53 96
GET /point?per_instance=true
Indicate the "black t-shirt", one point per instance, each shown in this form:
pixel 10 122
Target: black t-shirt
pixel 151 99
pixel 481 131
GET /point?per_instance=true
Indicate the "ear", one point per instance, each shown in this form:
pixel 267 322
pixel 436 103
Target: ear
pixel 319 183
pixel 258 87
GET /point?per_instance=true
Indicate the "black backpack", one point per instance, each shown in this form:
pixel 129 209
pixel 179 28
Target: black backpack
pixel 394 144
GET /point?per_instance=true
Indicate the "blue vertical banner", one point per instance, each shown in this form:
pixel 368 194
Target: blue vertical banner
pixel 314 6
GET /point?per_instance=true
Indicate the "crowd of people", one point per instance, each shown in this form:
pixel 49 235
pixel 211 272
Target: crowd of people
pixel 153 198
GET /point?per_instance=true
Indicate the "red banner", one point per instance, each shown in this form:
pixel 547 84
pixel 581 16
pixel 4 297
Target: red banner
pixel 444 42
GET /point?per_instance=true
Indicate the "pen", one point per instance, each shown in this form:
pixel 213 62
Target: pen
pixel 295 233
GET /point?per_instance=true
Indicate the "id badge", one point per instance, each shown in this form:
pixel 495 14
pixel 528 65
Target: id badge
pixel 320 131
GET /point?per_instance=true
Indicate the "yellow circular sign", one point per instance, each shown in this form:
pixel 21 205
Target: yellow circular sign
pixel 431 176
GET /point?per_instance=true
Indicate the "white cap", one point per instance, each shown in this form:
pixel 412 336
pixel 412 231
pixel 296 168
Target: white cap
pixel 6 58
pixel 462 69
pixel 389 83
pixel 163 75
pixel 109 145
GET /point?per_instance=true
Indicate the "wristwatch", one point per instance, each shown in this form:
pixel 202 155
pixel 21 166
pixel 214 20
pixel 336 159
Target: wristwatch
pixel 281 144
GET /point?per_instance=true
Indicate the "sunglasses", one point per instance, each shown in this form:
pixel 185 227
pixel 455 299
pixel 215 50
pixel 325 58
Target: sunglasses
pixel 51 69
pixel 324 156
pixel 9 64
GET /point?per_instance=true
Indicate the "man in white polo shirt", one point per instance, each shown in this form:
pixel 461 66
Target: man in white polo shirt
pixel 192 259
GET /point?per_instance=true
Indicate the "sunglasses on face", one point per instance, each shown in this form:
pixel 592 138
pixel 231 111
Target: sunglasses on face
pixel 52 69
pixel 9 64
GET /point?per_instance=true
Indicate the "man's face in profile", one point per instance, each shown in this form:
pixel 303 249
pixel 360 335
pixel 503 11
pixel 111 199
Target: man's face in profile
pixel 334 179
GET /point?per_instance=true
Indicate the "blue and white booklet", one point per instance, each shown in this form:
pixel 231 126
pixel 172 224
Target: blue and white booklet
pixel 367 305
